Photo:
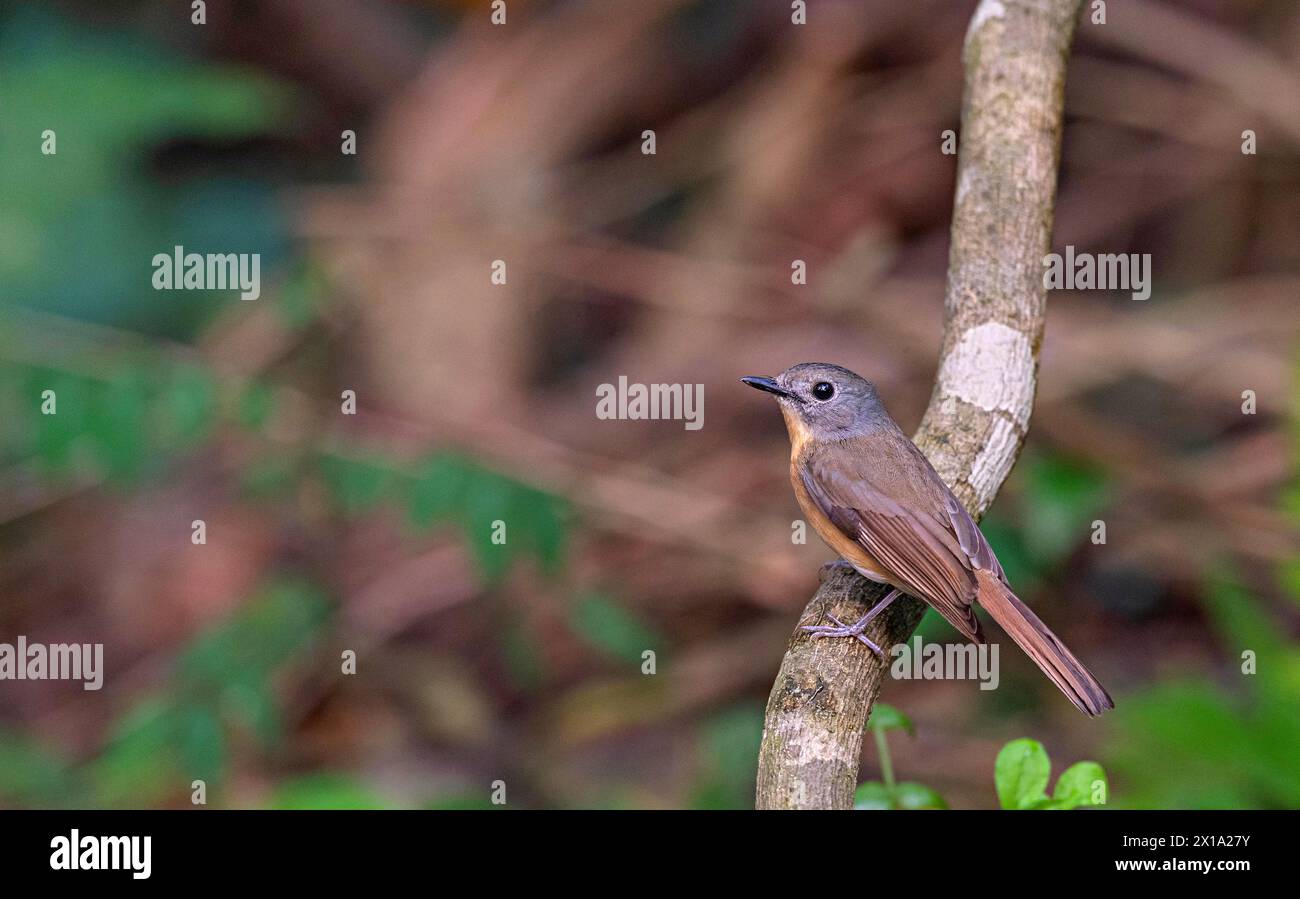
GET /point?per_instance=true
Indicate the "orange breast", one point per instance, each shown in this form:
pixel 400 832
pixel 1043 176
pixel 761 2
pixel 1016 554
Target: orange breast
pixel 849 549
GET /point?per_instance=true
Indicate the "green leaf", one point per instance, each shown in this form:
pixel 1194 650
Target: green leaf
pixel 357 485
pixel 876 796
pixel 910 795
pixel 324 791
pixel 462 801
pixel 1061 497
pixel 1237 613
pixel 255 405
pixel 254 705
pixel 118 424
pixel 302 295
pixel 728 759
pixel 611 628
pixel 872 796
pixel 258 638
pixel 202 743
pixel 1288 578
pixel 437 490
pixel 31 774
pixel 488 498
pixel 1289 500
pixel 189 404
pixel 56 435
pixel 543 517
pixel 140 764
pixel 1021 773
pixel 270 476
pixel 886 717
pixel 1077 785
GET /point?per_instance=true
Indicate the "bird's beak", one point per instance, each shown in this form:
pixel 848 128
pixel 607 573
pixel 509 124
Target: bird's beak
pixel 769 385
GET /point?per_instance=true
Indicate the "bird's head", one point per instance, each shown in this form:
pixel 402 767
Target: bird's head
pixel 824 401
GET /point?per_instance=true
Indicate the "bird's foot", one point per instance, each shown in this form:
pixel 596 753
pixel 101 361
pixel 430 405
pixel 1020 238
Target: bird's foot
pixel 856 628
pixel 844 630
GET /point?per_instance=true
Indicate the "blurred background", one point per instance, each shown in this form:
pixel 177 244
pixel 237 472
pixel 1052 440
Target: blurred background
pixel 522 662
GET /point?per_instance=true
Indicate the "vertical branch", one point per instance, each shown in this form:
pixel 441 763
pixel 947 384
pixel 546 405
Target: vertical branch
pixel 1014 60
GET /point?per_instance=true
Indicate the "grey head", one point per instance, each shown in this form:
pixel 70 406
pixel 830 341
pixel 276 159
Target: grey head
pixel 831 402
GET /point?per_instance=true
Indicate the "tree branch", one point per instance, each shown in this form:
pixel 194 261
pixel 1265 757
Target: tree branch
pixel 1014 60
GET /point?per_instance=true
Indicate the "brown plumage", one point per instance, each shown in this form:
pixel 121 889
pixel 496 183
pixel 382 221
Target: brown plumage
pixel 871 494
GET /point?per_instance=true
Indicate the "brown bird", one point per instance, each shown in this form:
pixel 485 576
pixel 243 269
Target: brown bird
pixel 876 500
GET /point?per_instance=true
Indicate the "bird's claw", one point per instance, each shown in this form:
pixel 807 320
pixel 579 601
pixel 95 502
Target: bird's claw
pixel 843 630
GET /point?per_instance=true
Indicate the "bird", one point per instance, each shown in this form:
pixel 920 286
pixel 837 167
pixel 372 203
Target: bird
pixel 875 499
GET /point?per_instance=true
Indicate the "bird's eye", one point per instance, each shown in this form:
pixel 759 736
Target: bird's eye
pixel 823 390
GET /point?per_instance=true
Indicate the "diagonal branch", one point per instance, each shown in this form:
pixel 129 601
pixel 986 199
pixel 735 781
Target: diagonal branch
pixel 1014 60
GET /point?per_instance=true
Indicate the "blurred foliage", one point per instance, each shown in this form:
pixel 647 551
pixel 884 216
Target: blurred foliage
pixel 729 759
pixel 77 227
pixel 463 801
pixel 1021 775
pixel 886 718
pixel 1218 747
pixel 222 691
pixel 141 409
pixel 890 794
pixel 448 488
pixel 1022 771
pixel 324 791
pixel 123 426
pixel 1225 747
pixel 116 426
pixel 604 624
pixel 32 774
pixel 1288 572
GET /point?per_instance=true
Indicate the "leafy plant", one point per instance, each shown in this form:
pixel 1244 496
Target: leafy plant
pixel 890 794
pixel 728 751
pixel 1022 771
pixel 31 775
pixel 1219 748
pixel 324 791
pixel 222 687
pixel 144 409
pixel 1222 747
pixel 126 422
pixel 604 624
pixel 81 224
pixel 447 488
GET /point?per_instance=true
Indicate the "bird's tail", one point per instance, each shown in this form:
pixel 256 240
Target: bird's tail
pixel 1048 652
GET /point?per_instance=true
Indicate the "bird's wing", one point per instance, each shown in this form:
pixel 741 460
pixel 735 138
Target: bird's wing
pixel 969 537
pixel 919 532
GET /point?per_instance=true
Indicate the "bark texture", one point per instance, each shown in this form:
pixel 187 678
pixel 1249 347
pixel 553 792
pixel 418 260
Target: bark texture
pixel 1014 59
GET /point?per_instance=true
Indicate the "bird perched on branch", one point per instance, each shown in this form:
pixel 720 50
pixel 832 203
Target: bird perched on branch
pixel 871 494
